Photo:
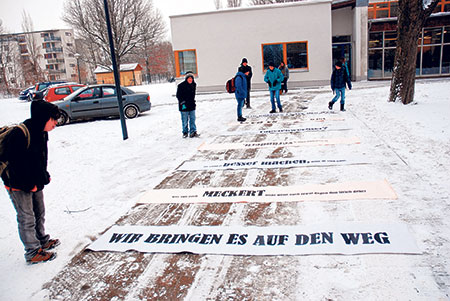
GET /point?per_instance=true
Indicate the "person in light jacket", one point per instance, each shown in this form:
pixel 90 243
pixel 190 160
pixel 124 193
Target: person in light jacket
pixel 274 78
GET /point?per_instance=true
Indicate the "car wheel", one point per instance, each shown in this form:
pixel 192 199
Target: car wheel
pixel 131 111
pixel 30 97
pixel 63 119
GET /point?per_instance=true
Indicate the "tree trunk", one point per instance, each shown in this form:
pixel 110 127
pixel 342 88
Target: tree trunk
pixel 412 16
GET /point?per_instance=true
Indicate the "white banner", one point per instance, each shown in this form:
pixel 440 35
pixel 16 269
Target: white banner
pixel 275 144
pixel 311 192
pixel 342 238
pixel 291 114
pixel 287 121
pixel 284 131
pixel 269 163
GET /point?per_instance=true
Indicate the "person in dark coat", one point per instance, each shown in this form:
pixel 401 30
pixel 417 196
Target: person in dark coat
pixel 339 79
pixel 186 105
pixel 26 176
pixel 285 71
pixel 244 68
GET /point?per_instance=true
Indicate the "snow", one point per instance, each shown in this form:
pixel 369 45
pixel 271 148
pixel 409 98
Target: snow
pixel 97 178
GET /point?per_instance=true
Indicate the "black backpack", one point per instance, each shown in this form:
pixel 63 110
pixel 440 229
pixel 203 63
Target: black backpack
pixel 4 131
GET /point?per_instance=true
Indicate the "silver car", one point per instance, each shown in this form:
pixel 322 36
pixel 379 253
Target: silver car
pixel 101 101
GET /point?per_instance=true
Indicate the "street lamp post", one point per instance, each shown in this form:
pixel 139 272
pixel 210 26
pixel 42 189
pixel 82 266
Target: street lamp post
pixel 77 56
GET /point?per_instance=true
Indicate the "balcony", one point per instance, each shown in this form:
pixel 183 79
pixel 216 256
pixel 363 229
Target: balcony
pixel 56 71
pixel 55 61
pixel 50 50
pixel 49 39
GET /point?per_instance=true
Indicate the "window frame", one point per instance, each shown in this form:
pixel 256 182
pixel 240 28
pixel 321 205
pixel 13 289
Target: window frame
pixel 177 62
pixel 284 44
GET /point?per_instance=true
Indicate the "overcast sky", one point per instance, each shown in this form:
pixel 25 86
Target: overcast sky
pixel 46 14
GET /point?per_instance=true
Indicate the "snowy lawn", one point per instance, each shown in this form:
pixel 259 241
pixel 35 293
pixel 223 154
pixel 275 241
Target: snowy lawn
pixel 97 177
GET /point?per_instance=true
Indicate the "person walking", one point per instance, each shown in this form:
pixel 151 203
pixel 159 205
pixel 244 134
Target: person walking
pixel 244 68
pixel 186 105
pixel 285 71
pixel 25 177
pixel 339 79
pixel 273 78
pixel 240 83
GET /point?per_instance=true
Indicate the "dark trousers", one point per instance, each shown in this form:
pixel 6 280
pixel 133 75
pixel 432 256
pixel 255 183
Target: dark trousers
pixel 284 85
pixel 247 99
pixel 30 218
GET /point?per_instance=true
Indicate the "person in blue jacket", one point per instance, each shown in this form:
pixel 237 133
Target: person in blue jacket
pixel 240 83
pixel 339 79
pixel 274 78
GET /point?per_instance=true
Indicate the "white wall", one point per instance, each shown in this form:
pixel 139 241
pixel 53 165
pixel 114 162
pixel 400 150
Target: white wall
pixel 223 38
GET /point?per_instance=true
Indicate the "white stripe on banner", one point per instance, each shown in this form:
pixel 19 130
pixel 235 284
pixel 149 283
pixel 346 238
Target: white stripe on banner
pixel 311 192
pixel 342 238
pixel 287 121
pixel 269 163
pixel 275 144
pixel 290 114
pixel 285 131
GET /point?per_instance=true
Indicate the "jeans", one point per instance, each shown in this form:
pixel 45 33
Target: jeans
pixel 188 118
pixel 30 218
pixel 247 100
pixel 339 93
pixel 240 104
pixel 275 94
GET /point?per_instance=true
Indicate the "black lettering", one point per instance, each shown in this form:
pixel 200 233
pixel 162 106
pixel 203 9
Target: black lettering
pixel 259 241
pixel 116 237
pixel 301 239
pixel 152 238
pixel 327 237
pixel 350 238
pixel 135 238
pixel 367 238
pixel 384 239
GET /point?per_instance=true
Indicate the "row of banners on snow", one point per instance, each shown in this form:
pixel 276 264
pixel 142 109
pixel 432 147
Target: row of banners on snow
pixel 344 238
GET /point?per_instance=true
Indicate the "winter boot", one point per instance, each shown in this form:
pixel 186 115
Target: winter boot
pixel 185 135
pixel 273 111
pixel 41 256
pixel 51 244
pixel 194 135
pixel 241 119
pixel 342 107
pixel 281 110
pixel 330 105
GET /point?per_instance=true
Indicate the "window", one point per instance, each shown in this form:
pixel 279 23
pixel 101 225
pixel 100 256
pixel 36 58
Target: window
pixel 69 44
pixel 185 61
pixel 62 91
pixel 10 69
pixel 431 58
pixel 48 56
pixel 109 91
pixel 72 65
pixel 446 59
pixel 68 34
pixel 432 36
pixel 375 63
pixel 443 6
pixel 294 54
pixel 74 88
pixel 386 9
pixel 90 94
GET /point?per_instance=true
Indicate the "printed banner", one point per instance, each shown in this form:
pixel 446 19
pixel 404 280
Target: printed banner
pixel 275 144
pixel 284 131
pixel 311 192
pixel 268 163
pixel 343 238
pixel 288 121
pixel 291 114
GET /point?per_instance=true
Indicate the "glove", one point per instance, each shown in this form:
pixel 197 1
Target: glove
pixel 275 82
pixel 270 84
pixel 333 91
pixel 183 107
pixel 349 86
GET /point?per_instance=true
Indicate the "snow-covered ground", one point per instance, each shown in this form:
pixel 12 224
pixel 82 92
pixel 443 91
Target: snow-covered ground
pixel 97 177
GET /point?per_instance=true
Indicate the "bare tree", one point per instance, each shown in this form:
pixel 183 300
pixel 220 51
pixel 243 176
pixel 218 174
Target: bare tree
pixel 133 23
pixel 411 18
pixel 31 63
pixel 234 3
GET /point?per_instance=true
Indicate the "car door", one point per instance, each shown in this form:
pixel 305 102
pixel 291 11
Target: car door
pixel 110 107
pixel 87 104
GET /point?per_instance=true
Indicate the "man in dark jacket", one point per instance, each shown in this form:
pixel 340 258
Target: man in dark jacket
pixel 244 68
pixel 339 79
pixel 186 105
pixel 26 176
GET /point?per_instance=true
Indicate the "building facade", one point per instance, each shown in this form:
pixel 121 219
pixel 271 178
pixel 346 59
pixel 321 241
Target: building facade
pixel 53 50
pixel 309 36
